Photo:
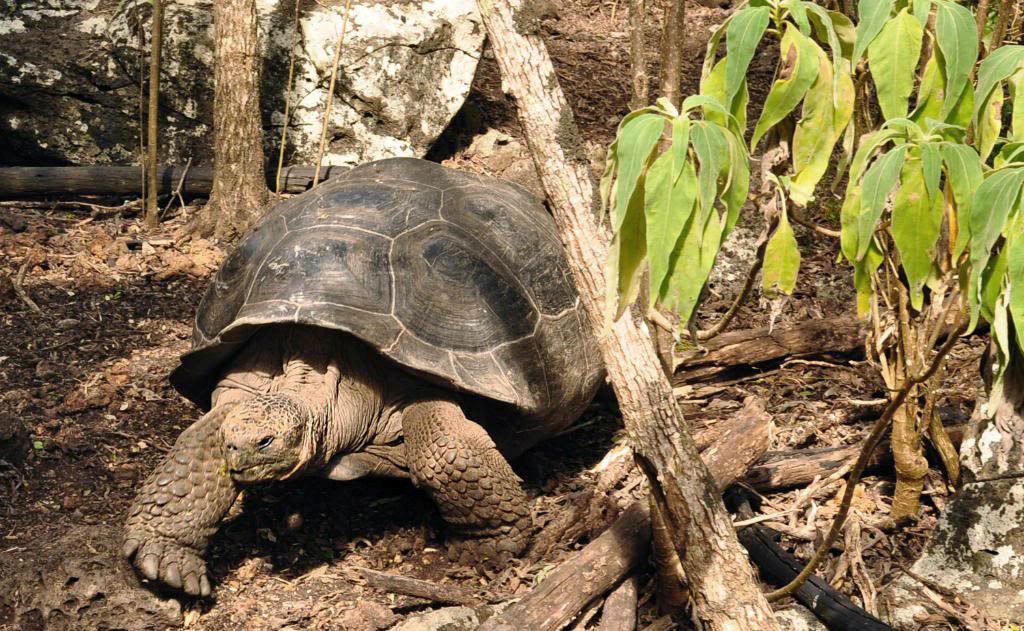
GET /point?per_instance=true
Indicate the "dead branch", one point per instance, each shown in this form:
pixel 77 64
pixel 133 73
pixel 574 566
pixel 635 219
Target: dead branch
pixel 329 98
pixel 751 347
pixel 152 124
pixel 19 288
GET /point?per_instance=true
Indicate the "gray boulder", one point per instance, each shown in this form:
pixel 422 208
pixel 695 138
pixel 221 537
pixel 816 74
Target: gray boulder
pixel 70 73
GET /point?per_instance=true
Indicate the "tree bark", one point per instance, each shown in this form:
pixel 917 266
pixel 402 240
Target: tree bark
pixel 672 51
pixel 239 192
pixel 619 611
pixel 637 59
pixel 726 595
pixel 152 124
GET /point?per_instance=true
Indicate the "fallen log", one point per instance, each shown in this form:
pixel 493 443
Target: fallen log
pixel 619 611
pixel 779 470
pixel 751 348
pixel 20 182
pixel 599 566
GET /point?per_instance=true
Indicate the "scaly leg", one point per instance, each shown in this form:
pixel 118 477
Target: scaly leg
pixel 479 495
pixel 180 507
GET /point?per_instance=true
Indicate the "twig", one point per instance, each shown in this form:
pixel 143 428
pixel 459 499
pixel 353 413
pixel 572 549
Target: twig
pixel 1002 21
pixel 20 290
pixel 287 105
pixel 734 308
pixel 177 189
pixel 981 15
pixel 434 592
pixel 330 93
pixel 827 232
pixel 870 443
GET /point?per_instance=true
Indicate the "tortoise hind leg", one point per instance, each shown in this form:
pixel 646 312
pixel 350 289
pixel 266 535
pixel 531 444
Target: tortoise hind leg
pixel 480 497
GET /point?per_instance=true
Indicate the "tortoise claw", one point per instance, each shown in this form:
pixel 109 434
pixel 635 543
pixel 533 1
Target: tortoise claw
pixel 160 558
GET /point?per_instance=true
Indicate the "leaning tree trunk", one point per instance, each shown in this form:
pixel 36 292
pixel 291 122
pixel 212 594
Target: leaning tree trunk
pixel 724 591
pixel 239 185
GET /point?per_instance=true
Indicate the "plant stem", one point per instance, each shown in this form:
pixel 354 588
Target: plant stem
pixel 870 444
pixel 156 46
pixel 330 93
pixel 287 105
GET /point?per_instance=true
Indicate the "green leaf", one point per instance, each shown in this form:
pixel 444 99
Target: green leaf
pixel 867 147
pixel 712 48
pixel 1015 273
pixel 745 31
pixel 873 15
pixel 668 204
pixel 964 175
pixel 825 117
pixel 992 280
pixel 691 262
pixel 849 217
pixel 735 194
pixel 607 187
pixel 931 163
pixel 714 86
pixel 990 122
pixel 993 201
pixel 636 140
pixel 680 145
pixel 921 10
pixel 843 28
pixel 712 149
pixel 629 248
pixel 916 222
pixel 893 57
pixel 781 260
pixel 38 445
pixel 799 69
pixel 879 181
pixel 957 36
pixel 1017 117
pixel 999 65
pixel 863 272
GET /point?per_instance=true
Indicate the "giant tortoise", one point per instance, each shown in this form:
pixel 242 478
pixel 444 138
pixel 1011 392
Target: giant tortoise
pixel 402 320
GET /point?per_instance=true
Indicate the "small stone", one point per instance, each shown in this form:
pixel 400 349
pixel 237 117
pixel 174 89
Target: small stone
pixel 445 619
pixel 67 324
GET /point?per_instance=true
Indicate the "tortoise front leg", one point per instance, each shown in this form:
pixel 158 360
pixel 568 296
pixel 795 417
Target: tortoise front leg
pixel 479 495
pixel 180 507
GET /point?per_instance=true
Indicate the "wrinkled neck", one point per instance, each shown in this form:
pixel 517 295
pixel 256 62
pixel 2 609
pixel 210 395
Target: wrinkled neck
pixel 341 387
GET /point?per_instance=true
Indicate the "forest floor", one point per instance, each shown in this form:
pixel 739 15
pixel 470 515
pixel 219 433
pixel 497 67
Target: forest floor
pixel 86 374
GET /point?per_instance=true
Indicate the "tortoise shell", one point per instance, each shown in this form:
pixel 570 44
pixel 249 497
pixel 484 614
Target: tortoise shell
pixel 460 278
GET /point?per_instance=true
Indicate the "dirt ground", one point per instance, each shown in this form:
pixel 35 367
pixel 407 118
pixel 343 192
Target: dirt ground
pixel 86 374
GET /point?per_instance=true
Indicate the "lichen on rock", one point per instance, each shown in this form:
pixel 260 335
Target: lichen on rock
pixel 70 75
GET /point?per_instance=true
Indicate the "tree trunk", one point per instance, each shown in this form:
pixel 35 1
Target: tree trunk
pixel 239 189
pixel 725 593
pixel 672 51
pixel 152 157
pixel 638 62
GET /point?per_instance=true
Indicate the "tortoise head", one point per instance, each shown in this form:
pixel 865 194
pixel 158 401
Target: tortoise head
pixel 264 438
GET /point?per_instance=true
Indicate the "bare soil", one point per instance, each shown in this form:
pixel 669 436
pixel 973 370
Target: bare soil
pixel 86 376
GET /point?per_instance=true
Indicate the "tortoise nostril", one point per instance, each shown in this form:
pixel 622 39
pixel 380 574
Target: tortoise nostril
pixel 265 442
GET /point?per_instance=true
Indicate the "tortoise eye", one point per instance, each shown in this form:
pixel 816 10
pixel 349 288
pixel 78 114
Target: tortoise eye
pixel 264 442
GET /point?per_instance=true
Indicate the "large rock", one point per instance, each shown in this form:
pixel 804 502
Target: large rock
pixel 70 72
pixel 977 548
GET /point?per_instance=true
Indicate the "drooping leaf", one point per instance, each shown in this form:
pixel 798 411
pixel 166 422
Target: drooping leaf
pixel 712 48
pixel 744 33
pixel 1016 84
pixel 680 145
pixel 994 199
pixel 964 175
pixel 735 194
pixel 668 203
pixel 714 86
pixel 690 264
pixel 712 149
pixel 781 260
pixel 873 15
pixel 957 36
pixel 634 144
pixel 931 97
pixel 849 218
pixel 629 248
pixel 606 188
pixel 1015 274
pixel 916 222
pixel 990 121
pixel 842 26
pixel 893 57
pixel 931 163
pixel 799 68
pixel 992 281
pixel 921 10
pixel 823 121
pixel 863 273
pixel 868 146
pixel 879 181
pixel 999 65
